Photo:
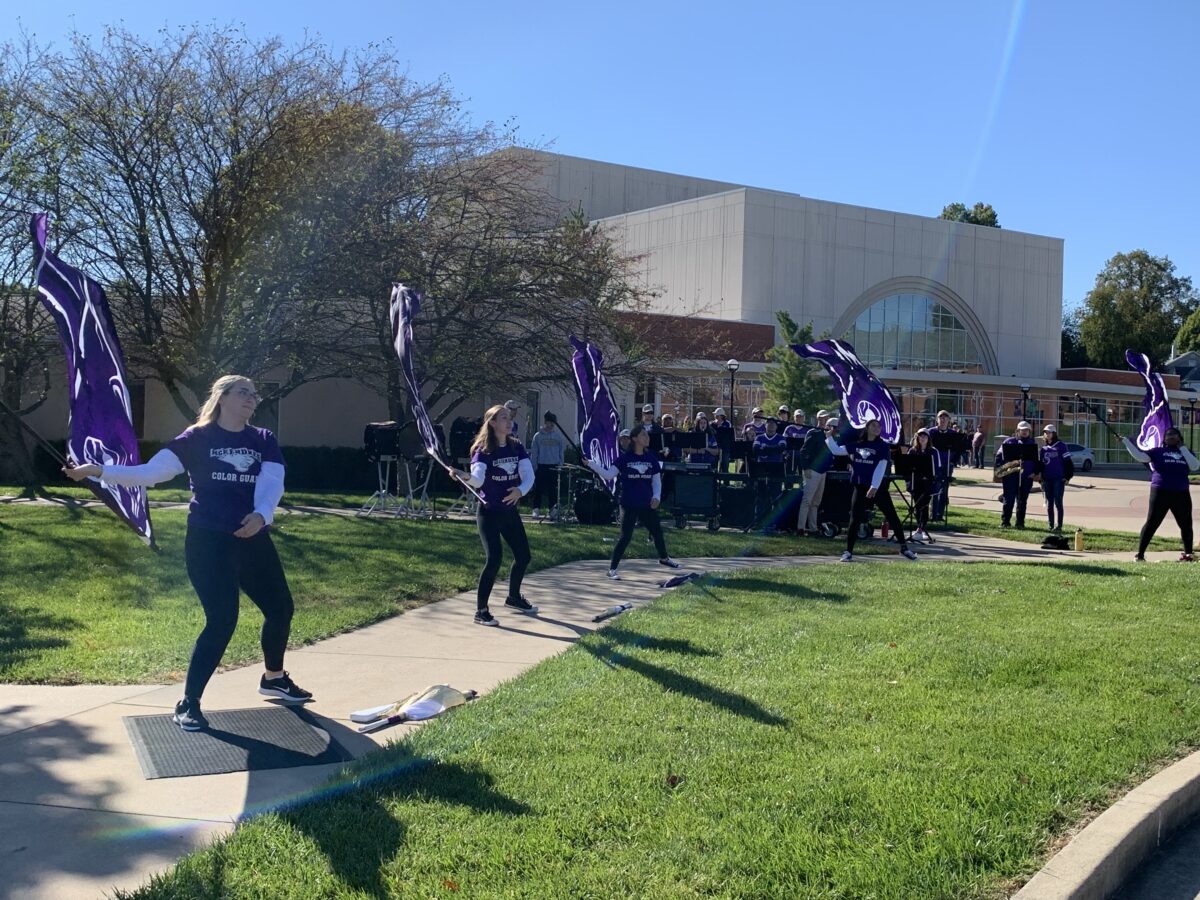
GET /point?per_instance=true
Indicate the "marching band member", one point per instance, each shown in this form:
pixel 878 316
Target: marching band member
pixel 1054 460
pixel 236 474
pixel 816 461
pixel 1018 484
pixel 869 458
pixel 501 468
pixel 920 485
pixel 1169 489
pixel 768 450
pixel 707 456
pixel 512 406
pixel 648 419
pixel 759 421
pixel 639 478
pixel 943 469
pixel 797 428
pixel 719 420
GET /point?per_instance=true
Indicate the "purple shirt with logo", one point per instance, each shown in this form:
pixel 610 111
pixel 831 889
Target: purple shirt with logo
pixel 223 468
pixel 769 448
pixel 1052 456
pixel 796 431
pixel 503 472
pixel 864 457
pixel 636 475
pixel 710 440
pixel 1169 470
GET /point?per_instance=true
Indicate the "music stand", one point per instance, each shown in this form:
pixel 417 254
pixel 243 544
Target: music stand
pixel 381 443
pixel 906 466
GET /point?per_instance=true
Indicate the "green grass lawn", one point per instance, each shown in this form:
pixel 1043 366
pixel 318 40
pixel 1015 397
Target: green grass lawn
pixel 330 499
pixel 882 731
pixel 83 601
pixel 983 522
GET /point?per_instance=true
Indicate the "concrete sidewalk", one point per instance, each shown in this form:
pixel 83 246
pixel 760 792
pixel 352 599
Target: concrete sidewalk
pixel 78 819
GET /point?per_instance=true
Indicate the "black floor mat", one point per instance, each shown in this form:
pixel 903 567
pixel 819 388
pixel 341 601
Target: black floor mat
pixel 236 740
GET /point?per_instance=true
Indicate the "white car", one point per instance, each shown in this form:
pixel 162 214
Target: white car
pixel 1081 457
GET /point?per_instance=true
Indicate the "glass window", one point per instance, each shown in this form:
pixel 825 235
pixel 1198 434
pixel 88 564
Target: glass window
pixel 913 331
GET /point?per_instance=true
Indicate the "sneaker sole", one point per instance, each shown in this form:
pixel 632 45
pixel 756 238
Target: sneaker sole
pixel 491 624
pixel 528 612
pixel 280 695
pixel 184 727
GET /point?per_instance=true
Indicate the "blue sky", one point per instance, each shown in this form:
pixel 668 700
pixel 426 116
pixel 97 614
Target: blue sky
pixel 1074 119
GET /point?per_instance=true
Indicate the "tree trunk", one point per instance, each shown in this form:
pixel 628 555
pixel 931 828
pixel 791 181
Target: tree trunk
pixel 16 460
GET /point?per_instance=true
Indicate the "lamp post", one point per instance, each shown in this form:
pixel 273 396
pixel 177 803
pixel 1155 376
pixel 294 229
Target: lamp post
pixel 733 365
pixel 1192 421
pixel 1025 402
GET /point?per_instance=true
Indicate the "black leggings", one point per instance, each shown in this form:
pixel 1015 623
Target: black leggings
pixel 218 564
pixel 495 524
pixel 860 513
pixel 1162 501
pixel 629 521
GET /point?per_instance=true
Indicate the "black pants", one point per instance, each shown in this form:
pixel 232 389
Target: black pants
pixel 218 564
pixel 860 513
pixel 1162 501
pixel 545 487
pixel 1016 490
pixel 495 524
pixel 629 521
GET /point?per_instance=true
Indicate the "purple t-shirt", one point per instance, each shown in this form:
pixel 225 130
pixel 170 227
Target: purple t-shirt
pixel 503 472
pixel 769 448
pixel 223 469
pixel 1052 456
pixel 1027 465
pixel 636 476
pixel 864 457
pixel 1169 470
pixel 796 431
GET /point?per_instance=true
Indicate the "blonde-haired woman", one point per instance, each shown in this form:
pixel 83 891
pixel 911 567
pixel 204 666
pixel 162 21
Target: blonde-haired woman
pixel 501 469
pixel 236 475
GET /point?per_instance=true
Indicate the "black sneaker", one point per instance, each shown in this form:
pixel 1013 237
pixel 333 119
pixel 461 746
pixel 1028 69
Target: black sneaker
pixel 520 603
pixel 484 617
pixel 283 688
pixel 188 716
pixel 669 563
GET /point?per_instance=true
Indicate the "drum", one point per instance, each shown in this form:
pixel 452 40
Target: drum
pixel 594 506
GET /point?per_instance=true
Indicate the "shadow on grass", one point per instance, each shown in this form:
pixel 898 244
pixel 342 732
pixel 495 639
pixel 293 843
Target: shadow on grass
pixel 358 832
pixel 1093 569
pixel 24 632
pixel 739 705
pixel 623 637
pixel 752 583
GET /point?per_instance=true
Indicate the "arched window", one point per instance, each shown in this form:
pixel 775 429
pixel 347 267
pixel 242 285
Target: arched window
pixel 913 331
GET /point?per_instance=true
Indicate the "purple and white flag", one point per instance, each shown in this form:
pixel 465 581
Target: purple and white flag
pixel 1157 418
pixel 863 396
pixel 405 304
pixel 101 416
pixel 596 413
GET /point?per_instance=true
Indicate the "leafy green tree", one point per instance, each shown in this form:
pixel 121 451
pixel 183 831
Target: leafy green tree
pixel 1188 337
pixel 791 380
pixel 1074 356
pixel 979 214
pixel 1138 302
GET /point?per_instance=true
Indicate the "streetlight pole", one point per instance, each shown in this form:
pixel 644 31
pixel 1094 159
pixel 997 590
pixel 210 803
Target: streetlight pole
pixel 1025 402
pixel 1192 421
pixel 732 365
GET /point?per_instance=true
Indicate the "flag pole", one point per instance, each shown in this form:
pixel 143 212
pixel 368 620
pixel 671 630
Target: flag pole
pixel 41 441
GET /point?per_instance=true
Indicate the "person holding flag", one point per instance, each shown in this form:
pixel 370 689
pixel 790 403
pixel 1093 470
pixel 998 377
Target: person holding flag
pixel 639 477
pixel 501 469
pixel 1169 488
pixel 869 458
pixel 236 473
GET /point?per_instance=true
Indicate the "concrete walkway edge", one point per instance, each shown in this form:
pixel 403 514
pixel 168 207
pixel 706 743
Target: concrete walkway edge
pixel 1102 857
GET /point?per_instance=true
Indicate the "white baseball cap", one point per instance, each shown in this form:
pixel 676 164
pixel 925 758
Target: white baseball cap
pixel 1024 424
pixel 719 411
pixel 648 408
pixel 822 412
pixel 1051 427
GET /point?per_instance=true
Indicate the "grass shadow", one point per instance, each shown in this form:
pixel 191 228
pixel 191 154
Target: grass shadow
pixel 670 680
pixel 25 632
pixel 616 634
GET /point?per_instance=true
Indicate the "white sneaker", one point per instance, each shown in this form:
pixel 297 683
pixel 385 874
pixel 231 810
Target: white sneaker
pixel 847 556
pixel 669 563
pixel 612 573
pixel 908 554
